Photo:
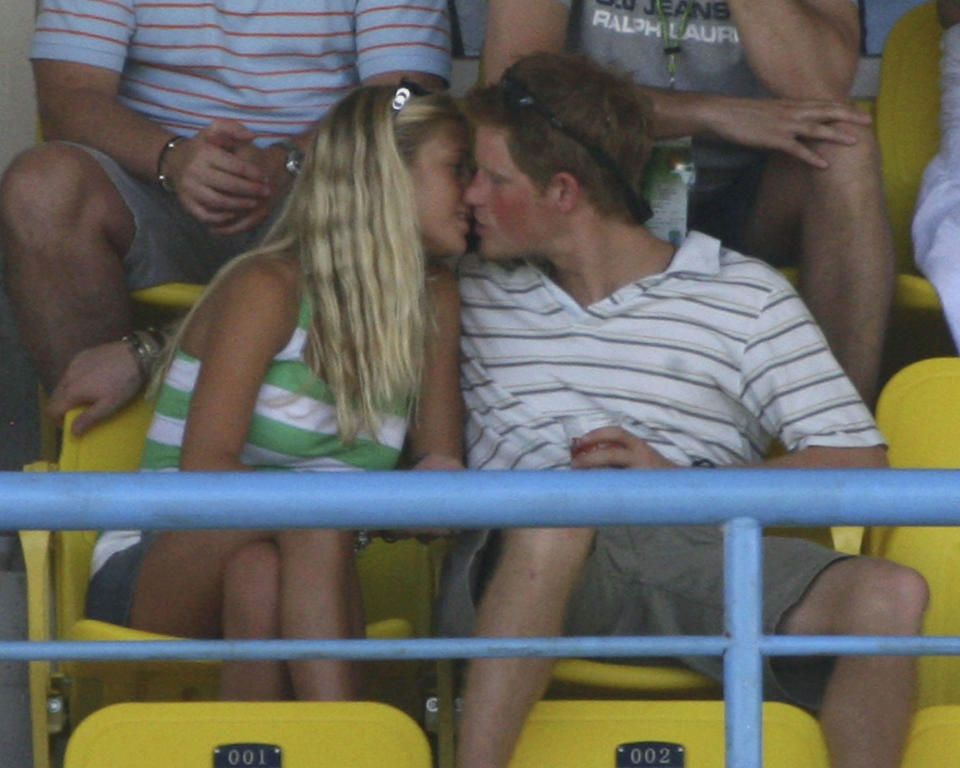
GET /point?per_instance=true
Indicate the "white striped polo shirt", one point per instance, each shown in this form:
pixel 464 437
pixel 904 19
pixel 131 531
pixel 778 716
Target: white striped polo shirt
pixel 277 66
pixel 711 359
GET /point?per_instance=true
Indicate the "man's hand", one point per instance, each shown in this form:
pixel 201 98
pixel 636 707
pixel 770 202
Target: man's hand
pixel 783 124
pixel 614 447
pixel 272 164
pixel 105 377
pixel 216 180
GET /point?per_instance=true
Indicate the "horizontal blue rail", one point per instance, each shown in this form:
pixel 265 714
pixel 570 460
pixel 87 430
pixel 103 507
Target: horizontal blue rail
pixel 68 501
pixel 743 501
pixel 461 647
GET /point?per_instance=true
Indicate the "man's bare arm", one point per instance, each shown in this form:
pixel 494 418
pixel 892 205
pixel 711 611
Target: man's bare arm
pixel 822 457
pixel 78 103
pixel 785 125
pixel 515 29
pixel 801 49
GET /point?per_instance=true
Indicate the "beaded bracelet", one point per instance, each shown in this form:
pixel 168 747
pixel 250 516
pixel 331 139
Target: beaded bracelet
pixel 147 346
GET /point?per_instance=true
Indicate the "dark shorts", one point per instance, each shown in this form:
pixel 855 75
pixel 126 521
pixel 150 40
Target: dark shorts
pixel 668 580
pixel 726 211
pixel 110 592
pixel 170 245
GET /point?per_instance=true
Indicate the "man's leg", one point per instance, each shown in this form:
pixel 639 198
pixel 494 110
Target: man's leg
pixel 526 597
pixel 64 230
pixel 869 700
pixel 835 222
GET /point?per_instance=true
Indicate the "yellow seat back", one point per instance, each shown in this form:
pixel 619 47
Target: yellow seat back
pixel 601 734
pixel 265 735
pixel 162 304
pixel 919 414
pixel 114 445
pixel 934 740
pixel 907 110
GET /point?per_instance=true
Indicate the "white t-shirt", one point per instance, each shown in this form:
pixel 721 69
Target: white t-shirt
pixel 936 224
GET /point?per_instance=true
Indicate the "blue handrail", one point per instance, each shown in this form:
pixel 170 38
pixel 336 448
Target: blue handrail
pixel 743 500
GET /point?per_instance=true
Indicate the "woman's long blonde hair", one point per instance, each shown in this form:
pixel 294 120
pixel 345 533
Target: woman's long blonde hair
pixel 352 222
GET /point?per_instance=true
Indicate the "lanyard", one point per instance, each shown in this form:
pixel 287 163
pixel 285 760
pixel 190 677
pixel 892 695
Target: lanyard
pixel 671 44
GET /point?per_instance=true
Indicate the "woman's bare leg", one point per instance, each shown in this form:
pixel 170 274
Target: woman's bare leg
pixel 319 598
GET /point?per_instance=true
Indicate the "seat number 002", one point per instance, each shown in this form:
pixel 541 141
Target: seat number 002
pixel 247 756
pixel 650 754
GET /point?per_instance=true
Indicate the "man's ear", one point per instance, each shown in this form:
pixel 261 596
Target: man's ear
pixel 564 191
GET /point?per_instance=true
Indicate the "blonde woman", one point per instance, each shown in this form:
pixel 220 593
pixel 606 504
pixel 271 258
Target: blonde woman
pixel 317 351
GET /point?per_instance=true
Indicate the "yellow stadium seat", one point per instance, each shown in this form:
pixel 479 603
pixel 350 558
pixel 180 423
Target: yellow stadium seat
pixel 934 740
pixel 245 734
pixel 397 580
pixel 919 414
pixel 907 111
pixel 169 295
pixel 162 304
pixel 601 734
pixel 908 131
pixel 590 678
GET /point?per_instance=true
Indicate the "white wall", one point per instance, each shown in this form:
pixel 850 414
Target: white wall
pixel 17 107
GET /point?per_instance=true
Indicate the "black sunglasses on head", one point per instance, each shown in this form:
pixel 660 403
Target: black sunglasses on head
pixel 516 96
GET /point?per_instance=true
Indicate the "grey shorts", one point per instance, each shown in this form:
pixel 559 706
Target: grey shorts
pixel 668 580
pixel 170 245
pixel 110 592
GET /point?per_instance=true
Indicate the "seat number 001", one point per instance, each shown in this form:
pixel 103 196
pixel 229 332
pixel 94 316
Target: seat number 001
pixel 247 756
pixel 650 754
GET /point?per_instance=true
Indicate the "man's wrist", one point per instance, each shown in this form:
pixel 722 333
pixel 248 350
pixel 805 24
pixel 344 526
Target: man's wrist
pixel 293 156
pixel 147 347
pixel 163 178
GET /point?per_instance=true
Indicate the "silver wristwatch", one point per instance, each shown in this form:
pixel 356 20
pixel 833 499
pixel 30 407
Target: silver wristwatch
pixel 294 159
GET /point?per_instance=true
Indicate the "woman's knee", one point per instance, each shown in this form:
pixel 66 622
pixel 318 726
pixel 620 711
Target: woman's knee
pixel 251 591
pixel 327 547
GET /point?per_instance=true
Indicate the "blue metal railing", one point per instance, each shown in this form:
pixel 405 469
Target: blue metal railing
pixel 743 500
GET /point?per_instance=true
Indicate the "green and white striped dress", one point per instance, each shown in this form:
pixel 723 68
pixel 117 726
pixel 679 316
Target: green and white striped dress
pixel 294 427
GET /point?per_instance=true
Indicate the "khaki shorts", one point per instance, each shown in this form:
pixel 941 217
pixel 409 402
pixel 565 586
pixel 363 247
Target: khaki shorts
pixel 666 580
pixel 170 245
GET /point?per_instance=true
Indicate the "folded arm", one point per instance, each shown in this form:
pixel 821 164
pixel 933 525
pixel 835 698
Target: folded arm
pixel 801 49
pixel 614 447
